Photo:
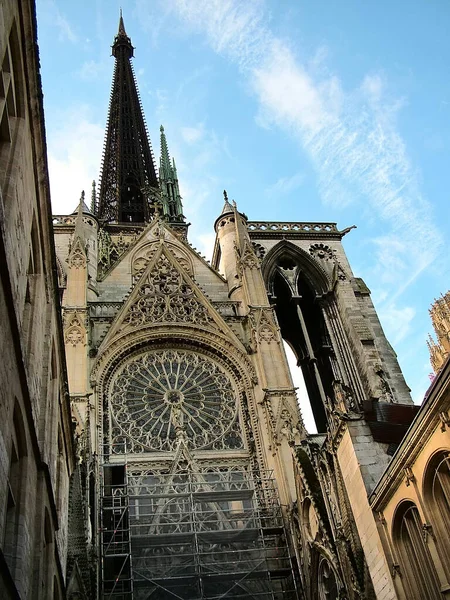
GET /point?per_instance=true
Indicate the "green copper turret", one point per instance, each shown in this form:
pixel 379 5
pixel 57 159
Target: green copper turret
pixel 172 206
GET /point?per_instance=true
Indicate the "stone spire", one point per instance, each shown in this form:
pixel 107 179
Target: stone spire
pixel 129 184
pixel 168 182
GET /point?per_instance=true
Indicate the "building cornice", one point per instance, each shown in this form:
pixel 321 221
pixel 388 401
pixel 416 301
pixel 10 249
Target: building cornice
pixel 435 404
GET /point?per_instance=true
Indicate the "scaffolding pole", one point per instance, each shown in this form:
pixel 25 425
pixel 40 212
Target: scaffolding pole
pixel 193 536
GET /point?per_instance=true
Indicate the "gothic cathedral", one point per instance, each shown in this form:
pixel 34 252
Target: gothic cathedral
pixel 183 396
pixel 195 478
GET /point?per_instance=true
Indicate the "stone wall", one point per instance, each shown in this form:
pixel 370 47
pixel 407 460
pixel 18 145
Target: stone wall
pixel 36 449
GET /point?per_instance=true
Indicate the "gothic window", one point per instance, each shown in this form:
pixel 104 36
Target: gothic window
pixel 437 496
pixel 310 520
pixel 31 292
pixel 16 492
pixel 327 584
pixel 10 84
pixel 11 95
pixel 159 396
pixel 303 328
pixel 415 560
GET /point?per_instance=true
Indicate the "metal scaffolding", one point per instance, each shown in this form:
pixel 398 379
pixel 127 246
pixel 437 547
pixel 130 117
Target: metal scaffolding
pixel 193 536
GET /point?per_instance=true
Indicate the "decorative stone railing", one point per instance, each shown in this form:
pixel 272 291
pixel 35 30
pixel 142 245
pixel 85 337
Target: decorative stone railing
pixel 104 310
pixel 268 226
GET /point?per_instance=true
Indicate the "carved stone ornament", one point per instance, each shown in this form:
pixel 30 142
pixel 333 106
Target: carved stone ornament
pixel 141 261
pixel 165 297
pixel 259 250
pixel 341 273
pixel 321 251
pixel 158 396
pixel 266 330
pixel 74 332
pixel 74 336
pixel 111 248
pixel 77 256
pixel 263 326
pixel 247 259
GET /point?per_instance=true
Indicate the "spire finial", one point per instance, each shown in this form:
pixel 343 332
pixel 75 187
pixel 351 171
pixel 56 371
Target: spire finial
pixel 227 206
pixel 121 24
pixel 93 198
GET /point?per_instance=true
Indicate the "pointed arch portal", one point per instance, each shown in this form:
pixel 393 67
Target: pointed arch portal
pixel 296 285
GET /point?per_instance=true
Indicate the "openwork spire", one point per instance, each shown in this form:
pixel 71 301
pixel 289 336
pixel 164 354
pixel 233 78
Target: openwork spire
pixel 168 181
pixel 129 184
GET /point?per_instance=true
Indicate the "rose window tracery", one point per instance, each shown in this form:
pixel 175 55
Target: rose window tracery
pixel 161 395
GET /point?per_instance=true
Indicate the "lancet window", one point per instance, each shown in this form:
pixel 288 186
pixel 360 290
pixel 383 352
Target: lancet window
pixel 437 495
pixel 415 559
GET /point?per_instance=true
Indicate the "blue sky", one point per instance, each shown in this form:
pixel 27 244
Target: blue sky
pixel 303 110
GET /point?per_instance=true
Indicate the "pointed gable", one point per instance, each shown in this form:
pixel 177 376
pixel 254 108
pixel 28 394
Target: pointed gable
pixel 165 294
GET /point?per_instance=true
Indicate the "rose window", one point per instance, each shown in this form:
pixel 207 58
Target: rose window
pixel 161 395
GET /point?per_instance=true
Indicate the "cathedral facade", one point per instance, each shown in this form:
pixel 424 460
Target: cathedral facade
pixel 195 477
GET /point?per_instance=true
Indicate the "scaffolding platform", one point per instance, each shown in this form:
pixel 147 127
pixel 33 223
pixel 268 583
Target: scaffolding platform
pixel 193 536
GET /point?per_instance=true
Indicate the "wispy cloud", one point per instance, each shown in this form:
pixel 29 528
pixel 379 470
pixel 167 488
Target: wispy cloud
pixel 351 136
pixel 75 148
pixel 92 70
pixel 65 30
pixel 397 320
pixel 286 185
pixel 50 12
pixel 191 135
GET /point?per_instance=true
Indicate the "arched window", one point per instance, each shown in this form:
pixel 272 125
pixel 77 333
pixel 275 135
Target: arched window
pixel 295 284
pixel 416 563
pixel 437 497
pixel 17 478
pixel 327 583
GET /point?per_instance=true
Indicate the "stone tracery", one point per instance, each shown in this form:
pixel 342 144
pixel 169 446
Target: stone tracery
pixel 164 296
pixel 159 396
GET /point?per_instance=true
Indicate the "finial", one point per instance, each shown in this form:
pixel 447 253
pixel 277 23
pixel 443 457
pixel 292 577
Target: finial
pixel 121 25
pixel 233 202
pixel 93 198
pixel 227 206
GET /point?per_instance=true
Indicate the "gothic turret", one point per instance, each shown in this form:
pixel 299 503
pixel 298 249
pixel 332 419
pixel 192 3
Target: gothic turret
pixel 129 184
pixel 170 192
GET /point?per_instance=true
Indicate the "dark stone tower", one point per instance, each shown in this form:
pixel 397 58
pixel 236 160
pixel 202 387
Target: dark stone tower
pixel 129 184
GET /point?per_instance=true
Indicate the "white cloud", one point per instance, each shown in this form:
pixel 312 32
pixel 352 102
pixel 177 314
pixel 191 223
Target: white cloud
pixel 285 185
pixel 350 136
pixel 65 30
pixel 206 244
pixel 75 150
pixel 397 320
pixel 191 135
pixel 91 70
pixel 372 85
